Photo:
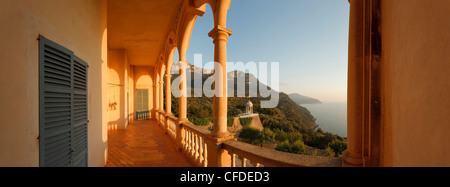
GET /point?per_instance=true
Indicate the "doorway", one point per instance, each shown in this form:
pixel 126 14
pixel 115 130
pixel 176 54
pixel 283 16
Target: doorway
pixel 142 109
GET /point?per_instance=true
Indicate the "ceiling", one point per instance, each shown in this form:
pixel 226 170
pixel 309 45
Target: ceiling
pixel 141 27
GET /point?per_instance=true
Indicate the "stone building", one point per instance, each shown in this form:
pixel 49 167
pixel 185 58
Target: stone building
pixel 71 71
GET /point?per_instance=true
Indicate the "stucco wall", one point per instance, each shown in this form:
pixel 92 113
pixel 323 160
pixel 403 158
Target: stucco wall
pixel 79 25
pixel 416 66
pixel 117 84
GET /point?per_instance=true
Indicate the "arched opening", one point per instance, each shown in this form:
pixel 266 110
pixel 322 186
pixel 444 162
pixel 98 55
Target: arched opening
pixel 200 57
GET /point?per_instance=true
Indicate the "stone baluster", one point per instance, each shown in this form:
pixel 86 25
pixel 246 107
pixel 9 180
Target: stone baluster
pixel 200 150
pixel 233 160
pixel 192 144
pixel 205 153
pixel 196 147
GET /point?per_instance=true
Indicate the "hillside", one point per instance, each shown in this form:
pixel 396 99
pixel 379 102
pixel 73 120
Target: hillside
pixel 300 99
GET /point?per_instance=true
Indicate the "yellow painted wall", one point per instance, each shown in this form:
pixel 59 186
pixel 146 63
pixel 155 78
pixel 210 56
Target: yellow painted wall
pixel 79 25
pixel 117 89
pixel 416 69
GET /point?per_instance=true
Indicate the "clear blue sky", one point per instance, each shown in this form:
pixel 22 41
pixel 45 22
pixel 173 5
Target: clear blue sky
pixel 309 39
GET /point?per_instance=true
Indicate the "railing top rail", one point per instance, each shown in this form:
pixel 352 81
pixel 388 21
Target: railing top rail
pixel 172 117
pixel 270 157
pixel 198 130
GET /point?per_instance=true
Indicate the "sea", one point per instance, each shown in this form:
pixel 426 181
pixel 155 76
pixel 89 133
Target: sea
pixel 331 117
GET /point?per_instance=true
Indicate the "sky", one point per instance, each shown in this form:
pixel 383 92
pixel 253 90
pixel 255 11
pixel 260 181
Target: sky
pixel 308 38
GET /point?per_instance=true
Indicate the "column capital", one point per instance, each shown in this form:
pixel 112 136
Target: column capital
pixel 220 33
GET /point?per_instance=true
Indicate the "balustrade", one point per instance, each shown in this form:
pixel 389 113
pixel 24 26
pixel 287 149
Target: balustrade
pixel 142 115
pixel 193 143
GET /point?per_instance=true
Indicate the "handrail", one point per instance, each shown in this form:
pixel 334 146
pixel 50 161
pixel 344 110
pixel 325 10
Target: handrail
pixel 172 117
pixel 272 158
pixel 201 131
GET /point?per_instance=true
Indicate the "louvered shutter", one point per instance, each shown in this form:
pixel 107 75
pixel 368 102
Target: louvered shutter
pixel 62 107
pixel 80 121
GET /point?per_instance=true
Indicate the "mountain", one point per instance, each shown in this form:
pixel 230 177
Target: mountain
pixel 300 99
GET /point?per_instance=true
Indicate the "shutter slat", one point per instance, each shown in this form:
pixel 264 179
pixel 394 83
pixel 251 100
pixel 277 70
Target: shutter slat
pixel 56 65
pixel 57 54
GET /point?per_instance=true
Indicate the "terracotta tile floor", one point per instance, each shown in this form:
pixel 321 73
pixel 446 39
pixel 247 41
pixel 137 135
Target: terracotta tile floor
pixel 143 144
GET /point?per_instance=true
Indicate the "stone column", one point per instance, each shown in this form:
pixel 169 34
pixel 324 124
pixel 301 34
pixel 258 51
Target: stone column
pixel 157 97
pixel 353 156
pixel 161 93
pixel 168 93
pixel 154 99
pixel 183 93
pixel 220 36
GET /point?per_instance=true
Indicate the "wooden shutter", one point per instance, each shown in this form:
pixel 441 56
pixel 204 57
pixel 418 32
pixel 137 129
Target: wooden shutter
pixel 62 107
pixel 80 111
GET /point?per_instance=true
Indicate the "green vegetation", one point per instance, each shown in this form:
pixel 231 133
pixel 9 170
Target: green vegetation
pixel 249 133
pixel 201 121
pixel 245 121
pixel 297 147
pixel 230 121
pixel 329 152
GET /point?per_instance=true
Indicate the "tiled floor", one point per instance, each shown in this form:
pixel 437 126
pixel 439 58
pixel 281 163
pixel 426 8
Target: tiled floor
pixel 143 144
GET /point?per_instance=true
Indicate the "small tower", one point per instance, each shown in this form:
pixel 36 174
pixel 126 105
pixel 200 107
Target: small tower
pixel 249 107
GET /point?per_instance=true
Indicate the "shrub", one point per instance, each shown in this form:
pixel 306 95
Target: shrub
pixel 329 152
pixel 294 137
pixel 250 133
pixel 280 135
pixel 245 121
pixel 268 135
pixel 338 146
pixel 200 121
pixel 297 147
pixel 230 122
pixel 284 147
pixel 234 111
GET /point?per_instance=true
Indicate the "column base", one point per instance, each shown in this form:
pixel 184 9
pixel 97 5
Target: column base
pixel 222 137
pixel 182 120
pixel 350 160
